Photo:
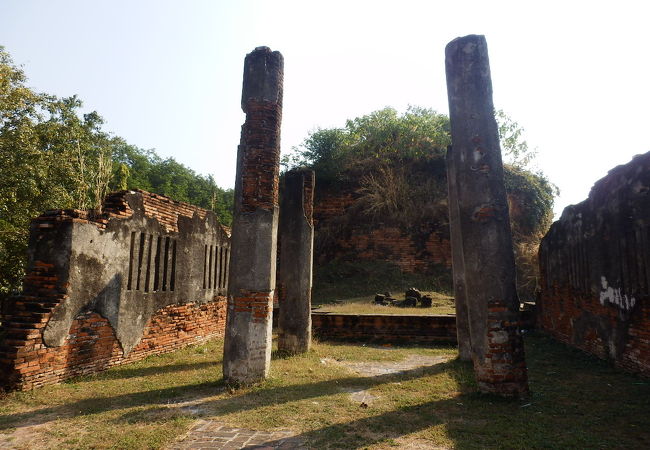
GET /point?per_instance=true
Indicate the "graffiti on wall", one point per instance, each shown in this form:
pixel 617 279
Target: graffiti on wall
pixel 614 296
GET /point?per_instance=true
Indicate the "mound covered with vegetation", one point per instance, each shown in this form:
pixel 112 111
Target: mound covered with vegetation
pixel 391 168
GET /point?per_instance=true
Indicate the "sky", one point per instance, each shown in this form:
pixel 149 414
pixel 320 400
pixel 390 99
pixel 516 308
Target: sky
pixel 167 75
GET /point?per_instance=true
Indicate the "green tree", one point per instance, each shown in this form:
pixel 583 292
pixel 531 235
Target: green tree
pixel 514 147
pixel 43 147
pixel 379 139
pixel 146 170
pixel 52 157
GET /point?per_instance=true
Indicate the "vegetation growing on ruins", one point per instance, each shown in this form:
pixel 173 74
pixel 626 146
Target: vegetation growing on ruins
pixel 395 164
pixel 52 156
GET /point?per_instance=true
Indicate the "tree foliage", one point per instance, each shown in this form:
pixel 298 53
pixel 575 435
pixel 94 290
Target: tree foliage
pixel 52 156
pixel 385 152
pixel 379 139
pixel 134 168
pixel 514 147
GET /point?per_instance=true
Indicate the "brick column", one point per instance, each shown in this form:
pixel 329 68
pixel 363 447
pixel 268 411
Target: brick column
pixel 247 347
pixel 296 257
pixel 458 265
pixel 483 221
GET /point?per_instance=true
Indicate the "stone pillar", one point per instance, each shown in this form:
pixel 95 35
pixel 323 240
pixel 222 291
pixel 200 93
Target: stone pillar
pixel 247 346
pixel 458 264
pixel 296 260
pixel 483 221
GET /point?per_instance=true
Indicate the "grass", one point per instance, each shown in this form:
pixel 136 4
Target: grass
pixel 577 402
pixel 442 304
pixel 349 287
pixel 340 279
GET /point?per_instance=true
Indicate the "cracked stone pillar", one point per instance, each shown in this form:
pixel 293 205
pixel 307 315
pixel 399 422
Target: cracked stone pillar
pixel 296 257
pixel 483 221
pixel 247 346
pixel 458 265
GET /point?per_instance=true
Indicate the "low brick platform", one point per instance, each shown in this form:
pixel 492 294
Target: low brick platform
pixel 385 327
pixel 210 434
pixel 400 329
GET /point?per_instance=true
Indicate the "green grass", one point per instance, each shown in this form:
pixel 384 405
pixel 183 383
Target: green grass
pixel 349 287
pixel 339 279
pixel 577 402
pixel 442 304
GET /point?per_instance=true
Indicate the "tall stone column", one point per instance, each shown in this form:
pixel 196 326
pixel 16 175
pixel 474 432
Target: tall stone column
pixel 458 264
pixel 296 260
pixel 247 346
pixel 483 221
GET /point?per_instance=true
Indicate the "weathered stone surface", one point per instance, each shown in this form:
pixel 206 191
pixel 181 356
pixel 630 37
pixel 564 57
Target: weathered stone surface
pixel 99 286
pixel 458 264
pixel 595 270
pixel 413 292
pixel 409 302
pixel 130 269
pixel 426 302
pixel 296 261
pixel 247 346
pixel 483 221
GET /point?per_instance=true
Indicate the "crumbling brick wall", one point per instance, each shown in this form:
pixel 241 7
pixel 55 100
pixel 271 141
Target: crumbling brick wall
pixel 420 249
pixel 147 276
pixel 595 270
pixel 385 327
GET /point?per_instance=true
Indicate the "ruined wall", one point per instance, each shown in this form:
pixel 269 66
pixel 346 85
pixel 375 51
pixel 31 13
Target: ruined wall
pixel 146 276
pixel 424 248
pixel 595 267
pixel 421 249
pixel 385 328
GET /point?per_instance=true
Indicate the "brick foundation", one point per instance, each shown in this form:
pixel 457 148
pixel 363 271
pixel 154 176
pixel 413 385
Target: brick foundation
pixel 582 322
pixel 384 327
pixel 91 345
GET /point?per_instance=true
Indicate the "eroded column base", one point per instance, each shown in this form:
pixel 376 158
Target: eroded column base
pixel 503 369
pixel 292 344
pixel 247 355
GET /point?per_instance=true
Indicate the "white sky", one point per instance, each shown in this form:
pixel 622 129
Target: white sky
pixel 167 74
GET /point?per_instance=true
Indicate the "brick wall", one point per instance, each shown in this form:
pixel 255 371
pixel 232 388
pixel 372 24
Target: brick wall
pixel 395 245
pixel 422 248
pixel 91 345
pixel 595 270
pixel 384 327
pixel 393 328
pixel 146 276
pixel 419 250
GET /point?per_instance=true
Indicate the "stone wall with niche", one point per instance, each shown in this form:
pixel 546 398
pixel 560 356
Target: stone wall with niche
pixel 148 275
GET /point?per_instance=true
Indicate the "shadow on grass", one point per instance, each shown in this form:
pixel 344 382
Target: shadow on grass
pixel 384 427
pixel 126 372
pixel 577 402
pixel 235 403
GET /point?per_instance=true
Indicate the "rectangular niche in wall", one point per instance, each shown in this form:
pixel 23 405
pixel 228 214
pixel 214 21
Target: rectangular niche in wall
pixel 152 263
